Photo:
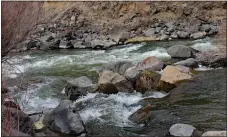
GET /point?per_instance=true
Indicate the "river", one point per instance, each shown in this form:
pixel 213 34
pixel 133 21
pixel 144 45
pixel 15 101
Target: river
pixel 107 115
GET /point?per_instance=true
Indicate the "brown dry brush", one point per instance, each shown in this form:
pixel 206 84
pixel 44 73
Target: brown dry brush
pixel 19 19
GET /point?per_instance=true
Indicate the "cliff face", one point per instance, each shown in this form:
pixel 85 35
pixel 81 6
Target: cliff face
pixel 103 18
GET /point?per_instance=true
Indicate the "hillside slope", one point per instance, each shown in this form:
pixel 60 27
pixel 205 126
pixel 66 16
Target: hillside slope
pixel 103 18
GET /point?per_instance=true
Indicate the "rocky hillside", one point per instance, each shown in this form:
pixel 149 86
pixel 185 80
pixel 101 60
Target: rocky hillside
pixel 92 24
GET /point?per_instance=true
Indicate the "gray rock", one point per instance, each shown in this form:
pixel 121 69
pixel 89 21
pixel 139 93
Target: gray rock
pixel 132 73
pixel 65 44
pixel 190 62
pixel 157 29
pixel 118 67
pixel 102 44
pixel 181 130
pixel 164 37
pixel 79 87
pixel 149 32
pixel 78 44
pixel 169 24
pixel 124 36
pixel 110 82
pixel 205 27
pixel 156 25
pixel 63 119
pixel 182 34
pixel 171 28
pixel 213 30
pixel 180 51
pixel 174 35
pixel 198 35
pixel 46 43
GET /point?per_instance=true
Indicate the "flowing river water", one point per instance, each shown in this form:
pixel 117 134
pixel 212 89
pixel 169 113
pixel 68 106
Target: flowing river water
pixel 202 103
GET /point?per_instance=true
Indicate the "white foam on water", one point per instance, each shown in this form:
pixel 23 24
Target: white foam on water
pixel 87 97
pixel 114 108
pixel 156 94
pixel 203 46
pixel 203 68
pixel 31 102
pixel 90 57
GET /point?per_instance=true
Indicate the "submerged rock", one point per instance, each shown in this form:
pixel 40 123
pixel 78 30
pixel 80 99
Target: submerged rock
pixel 64 120
pixel 180 51
pixel 172 76
pixel 215 134
pixel 147 80
pixel 150 63
pixel 141 116
pixel 181 130
pixel 190 62
pixel 110 82
pixel 79 87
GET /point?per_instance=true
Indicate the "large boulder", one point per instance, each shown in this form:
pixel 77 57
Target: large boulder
pixel 181 51
pixel 110 82
pixel 172 76
pixel 190 62
pixel 181 130
pixel 215 134
pixel 118 67
pixel 213 58
pixel 64 120
pixel 150 63
pixel 79 87
pixel 147 80
pixel 142 115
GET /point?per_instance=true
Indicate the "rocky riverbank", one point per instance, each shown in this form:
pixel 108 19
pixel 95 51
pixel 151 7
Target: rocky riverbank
pixel 102 25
